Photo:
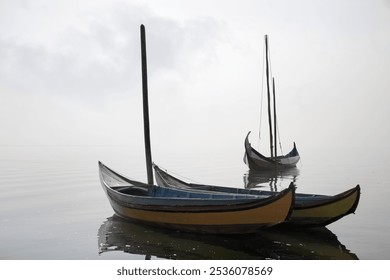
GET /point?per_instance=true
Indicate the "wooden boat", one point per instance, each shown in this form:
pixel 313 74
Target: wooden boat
pixel 185 209
pixel 191 210
pixel 309 210
pixel 254 159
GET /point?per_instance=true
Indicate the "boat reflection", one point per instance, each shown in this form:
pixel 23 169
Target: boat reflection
pixel 276 180
pixel 116 234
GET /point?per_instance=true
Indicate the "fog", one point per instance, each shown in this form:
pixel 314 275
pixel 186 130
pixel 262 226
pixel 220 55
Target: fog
pixel 70 73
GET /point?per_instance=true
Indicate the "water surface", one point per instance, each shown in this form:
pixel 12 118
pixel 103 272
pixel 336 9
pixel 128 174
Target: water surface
pixel 53 207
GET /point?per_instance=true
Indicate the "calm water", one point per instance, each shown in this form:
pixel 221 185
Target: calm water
pixel 53 207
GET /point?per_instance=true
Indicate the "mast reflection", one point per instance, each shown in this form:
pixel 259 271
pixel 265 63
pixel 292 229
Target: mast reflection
pixel 275 180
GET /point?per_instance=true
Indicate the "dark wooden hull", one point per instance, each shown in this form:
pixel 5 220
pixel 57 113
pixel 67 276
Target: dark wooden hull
pixel 256 161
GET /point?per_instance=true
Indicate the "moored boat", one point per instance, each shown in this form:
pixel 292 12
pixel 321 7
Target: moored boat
pixel 205 212
pixel 256 161
pixel 253 158
pixel 188 210
pixel 309 210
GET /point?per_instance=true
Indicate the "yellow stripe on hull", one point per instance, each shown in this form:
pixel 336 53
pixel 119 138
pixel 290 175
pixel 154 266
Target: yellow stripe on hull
pixel 330 210
pixel 272 213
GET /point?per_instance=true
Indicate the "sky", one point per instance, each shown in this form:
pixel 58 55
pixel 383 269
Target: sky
pixel 70 73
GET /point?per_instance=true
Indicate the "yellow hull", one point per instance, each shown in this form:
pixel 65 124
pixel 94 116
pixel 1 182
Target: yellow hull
pixel 309 210
pixel 205 213
pixel 326 213
pixel 238 220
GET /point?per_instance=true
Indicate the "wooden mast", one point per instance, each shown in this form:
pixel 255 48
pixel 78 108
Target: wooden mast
pixel 268 96
pixel 148 153
pixel 275 127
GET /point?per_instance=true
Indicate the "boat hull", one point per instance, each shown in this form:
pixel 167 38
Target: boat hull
pixel 256 161
pixel 189 215
pixel 218 221
pixel 309 210
pixel 325 212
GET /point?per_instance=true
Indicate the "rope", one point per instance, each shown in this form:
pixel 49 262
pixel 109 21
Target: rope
pixel 276 122
pixel 261 100
pixel 280 142
pixel 178 175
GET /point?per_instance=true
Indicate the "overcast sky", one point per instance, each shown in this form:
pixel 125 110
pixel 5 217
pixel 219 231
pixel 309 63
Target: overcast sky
pixel 70 72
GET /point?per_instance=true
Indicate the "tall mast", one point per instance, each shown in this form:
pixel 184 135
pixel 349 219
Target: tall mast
pixel 148 153
pixel 275 127
pixel 268 96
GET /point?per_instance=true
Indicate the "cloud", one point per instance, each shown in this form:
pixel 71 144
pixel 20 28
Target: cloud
pixel 93 69
pixel 103 57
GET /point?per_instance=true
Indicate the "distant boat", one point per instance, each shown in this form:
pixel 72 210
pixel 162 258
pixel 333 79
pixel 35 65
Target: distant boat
pixel 186 209
pixel 190 210
pixel 254 159
pixel 309 210
pixel 257 161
